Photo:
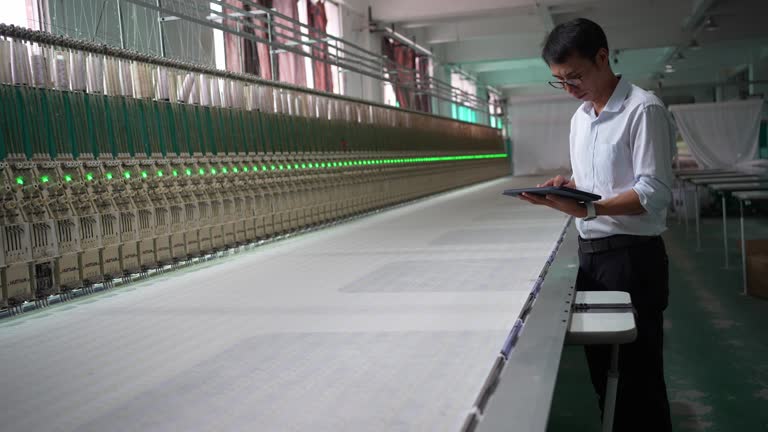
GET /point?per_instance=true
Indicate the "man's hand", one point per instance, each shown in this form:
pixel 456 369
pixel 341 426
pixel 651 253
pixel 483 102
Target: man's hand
pixel 557 182
pixel 565 205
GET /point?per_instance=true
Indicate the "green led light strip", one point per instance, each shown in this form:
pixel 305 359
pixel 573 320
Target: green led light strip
pixel 311 165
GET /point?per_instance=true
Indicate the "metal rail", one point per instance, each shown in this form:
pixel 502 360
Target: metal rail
pixel 103 49
pixel 376 66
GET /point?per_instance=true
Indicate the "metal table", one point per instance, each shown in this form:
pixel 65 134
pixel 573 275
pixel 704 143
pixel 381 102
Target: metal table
pixel 746 197
pixel 700 170
pixel 682 177
pixel 706 181
pixel 723 189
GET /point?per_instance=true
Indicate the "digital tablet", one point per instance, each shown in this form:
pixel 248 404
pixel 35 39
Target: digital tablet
pixel 560 191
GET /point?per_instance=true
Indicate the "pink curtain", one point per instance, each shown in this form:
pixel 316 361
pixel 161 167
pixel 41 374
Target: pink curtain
pixel 244 55
pixel 321 70
pixel 290 65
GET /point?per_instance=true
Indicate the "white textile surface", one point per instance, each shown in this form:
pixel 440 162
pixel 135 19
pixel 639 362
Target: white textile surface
pixel 722 134
pixel 539 131
pixel 388 323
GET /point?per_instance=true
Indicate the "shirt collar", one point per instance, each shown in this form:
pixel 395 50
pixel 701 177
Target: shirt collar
pixel 616 100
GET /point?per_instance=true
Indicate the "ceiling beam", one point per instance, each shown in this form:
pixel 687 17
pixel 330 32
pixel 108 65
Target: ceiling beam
pixel 694 20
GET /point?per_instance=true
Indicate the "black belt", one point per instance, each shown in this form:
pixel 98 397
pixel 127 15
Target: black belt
pixel 613 242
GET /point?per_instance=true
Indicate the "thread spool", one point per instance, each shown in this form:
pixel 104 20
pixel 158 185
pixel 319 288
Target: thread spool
pixel 237 89
pixel 39 76
pixel 126 78
pixel 215 92
pixel 205 91
pixel 249 97
pixel 77 71
pixel 148 89
pixel 196 84
pixel 111 77
pixel 142 81
pixel 270 97
pixel 19 63
pixel 161 84
pixel 6 76
pixel 60 70
pixel 95 74
pixel 187 87
pixel 173 93
pixel 226 94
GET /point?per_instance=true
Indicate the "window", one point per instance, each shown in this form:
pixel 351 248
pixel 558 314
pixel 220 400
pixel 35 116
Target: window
pixel 389 93
pixel 496 110
pixel 464 94
pixel 218 42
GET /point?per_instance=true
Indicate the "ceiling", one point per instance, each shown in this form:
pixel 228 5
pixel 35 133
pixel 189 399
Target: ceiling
pixel 499 41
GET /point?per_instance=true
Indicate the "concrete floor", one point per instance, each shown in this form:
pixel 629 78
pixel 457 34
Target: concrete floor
pixel 716 346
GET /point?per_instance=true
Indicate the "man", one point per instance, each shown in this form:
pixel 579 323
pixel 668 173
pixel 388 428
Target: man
pixel 621 145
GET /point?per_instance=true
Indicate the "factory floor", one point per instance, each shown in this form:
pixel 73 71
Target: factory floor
pixel 716 342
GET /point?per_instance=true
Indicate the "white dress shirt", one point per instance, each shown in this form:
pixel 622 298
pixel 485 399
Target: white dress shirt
pixel 630 145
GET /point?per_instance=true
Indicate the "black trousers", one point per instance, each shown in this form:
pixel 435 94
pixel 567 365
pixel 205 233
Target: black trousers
pixel 642 270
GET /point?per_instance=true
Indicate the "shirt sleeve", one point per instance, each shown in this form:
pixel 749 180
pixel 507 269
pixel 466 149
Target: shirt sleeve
pixel 652 143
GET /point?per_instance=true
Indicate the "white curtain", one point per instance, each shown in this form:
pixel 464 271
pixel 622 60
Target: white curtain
pixel 539 131
pixel 721 134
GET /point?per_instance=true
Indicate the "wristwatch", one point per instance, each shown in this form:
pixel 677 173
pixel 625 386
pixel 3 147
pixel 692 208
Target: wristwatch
pixel 591 212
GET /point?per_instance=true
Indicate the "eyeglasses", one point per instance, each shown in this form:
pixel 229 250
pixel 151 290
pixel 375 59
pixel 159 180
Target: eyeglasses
pixel 576 82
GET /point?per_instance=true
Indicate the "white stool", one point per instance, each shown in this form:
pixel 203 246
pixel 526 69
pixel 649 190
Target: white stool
pixel 603 318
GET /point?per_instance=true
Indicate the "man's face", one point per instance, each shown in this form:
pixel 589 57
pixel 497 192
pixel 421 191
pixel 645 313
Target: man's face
pixel 582 78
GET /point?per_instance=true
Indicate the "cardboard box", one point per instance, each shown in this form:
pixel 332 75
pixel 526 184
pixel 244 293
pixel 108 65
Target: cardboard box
pixel 757 268
pixel 757 276
pixel 756 247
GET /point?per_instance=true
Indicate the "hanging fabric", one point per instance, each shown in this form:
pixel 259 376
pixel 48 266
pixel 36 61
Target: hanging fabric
pixel 290 66
pixel 721 134
pixel 245 55
pixel 318 21
pixel 402 70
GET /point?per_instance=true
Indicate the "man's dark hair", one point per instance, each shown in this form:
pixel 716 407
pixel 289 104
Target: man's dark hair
pixel 580 37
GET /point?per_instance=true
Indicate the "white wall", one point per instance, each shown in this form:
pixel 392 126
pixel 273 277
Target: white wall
pixel 354 28
pixel 539 132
